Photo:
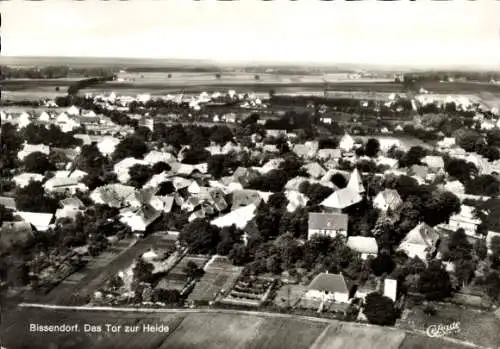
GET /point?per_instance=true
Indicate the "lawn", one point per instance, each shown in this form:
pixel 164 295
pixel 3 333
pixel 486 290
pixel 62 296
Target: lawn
pixel 413 341
pixel 358 336
pixel 478 327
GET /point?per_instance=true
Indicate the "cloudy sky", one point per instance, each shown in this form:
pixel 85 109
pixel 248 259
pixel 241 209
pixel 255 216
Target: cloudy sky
pixel 415 33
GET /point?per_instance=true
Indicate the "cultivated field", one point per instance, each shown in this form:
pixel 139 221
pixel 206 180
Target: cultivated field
pixel 34 89
pixel 219 275
pixel 177 278
pixel 204 330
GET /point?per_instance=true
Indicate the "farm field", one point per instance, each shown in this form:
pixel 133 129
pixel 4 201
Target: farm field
pixel 34 89
pixel 177 278
pixel 479 327
pixel 282 295
pixel 204 330
pixel 219 275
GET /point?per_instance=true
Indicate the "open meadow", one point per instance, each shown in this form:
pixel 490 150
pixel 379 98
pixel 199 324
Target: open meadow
pixel 199 329
pixel 35 89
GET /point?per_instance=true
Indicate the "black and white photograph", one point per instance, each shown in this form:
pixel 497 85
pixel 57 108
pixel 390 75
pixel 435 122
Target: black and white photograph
pixel 181 174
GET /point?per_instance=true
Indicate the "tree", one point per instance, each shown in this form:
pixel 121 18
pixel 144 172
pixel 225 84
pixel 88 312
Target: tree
pixel 10 145
pixel 200 236
pixel 221 135
pixel 32 199
pixel 440 207
pixel 315 192
pixel 130 146
pixel 239 254
pixel 192 270
pixel 480 249
pixel 339 180
pixel 139 175
pixel 379 310
pixel 435 282
pixel 91 159
pixel 116 282
pixel 461 169
pixel 160 167
pixel 485 185
pixel 467 139
pixel 382 264
pixel 372 147
pixel 38 163
pixel 195 155
pixel 492 285
pixel 6 215
pixel 459 248
pixel 143 271
pixel 413 156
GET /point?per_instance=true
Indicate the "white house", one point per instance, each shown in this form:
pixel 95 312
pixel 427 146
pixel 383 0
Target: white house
pixel 296 200
pixel 122 168
pixel 346 143
pixel 455 187
pixel 328 287
pixel 74 111
pixel 64 184
pixel 32 148
pixel 466 220
pixel 391 289
pixel 239 217
pixel 387 199
pixel 366 246
pixel 41 221
pixel 23 179
pixel 329 224
pixel 420 241
pixel 107 145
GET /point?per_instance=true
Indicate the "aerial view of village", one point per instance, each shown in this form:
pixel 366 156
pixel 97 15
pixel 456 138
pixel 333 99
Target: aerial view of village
pixel 187 203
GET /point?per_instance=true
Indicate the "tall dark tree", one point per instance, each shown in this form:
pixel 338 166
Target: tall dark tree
pixel 32 198
pixel 130 146
pixel 200 236
pixel 139 175
pixel 435 282
pixel 379 310
pixel 38 163
pixel 372 147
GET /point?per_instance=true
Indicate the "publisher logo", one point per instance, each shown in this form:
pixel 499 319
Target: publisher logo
pixel 441 330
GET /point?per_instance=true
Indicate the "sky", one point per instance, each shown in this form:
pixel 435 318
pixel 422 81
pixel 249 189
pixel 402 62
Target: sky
pixel 424 32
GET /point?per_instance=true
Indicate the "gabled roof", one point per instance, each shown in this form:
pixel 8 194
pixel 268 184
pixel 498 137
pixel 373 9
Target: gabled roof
pixel 327 221
pixel 40 221
pixel 390 197
pixel 73 201
pixel 362 244
pixel 422 234
pixel 433 161
pixel 342 198
pixel 315 170
pixel 356 182
pixel 239 217
pixel 332 283
pixel 155 156
pixel 346 142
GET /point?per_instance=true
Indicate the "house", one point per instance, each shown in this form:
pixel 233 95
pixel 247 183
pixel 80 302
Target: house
pixel 386 143
pixel 23 179
pixel 107 145
pixel 346 144
pixel 275 133
pixel 41 221
pixel 387 162
pixel 239 217
pixel 366 246
pixel 466 220
pixel 329 224
pixel 15 233
pixel 76 174
pixel 73 111
pixel 456 187
pixel 155 156
pixel 296 200
pixel 328 287
pixel 32 148
pixel 480 162
pixel 433 162
pixel 391 289
pixel 420 241
pixel 245 197
pixel 387 199
pixel 139 218
pixel 122 168
pixel 446 143
pixel 328 154
pixel 341 199
pixel 270 148
pixel 63 185
pixel 305 150
pixel 314 170
pixel 8 203
pixel 356 182
pixel 489 237
pixel 113 195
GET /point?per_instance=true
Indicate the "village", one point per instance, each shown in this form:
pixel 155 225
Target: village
pixel 232 201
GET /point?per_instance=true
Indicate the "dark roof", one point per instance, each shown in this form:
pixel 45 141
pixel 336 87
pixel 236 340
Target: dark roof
pixel 245 197
pixel 328 221
pixel 332 283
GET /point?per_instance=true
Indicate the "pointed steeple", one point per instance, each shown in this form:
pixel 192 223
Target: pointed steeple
pixel 356 182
